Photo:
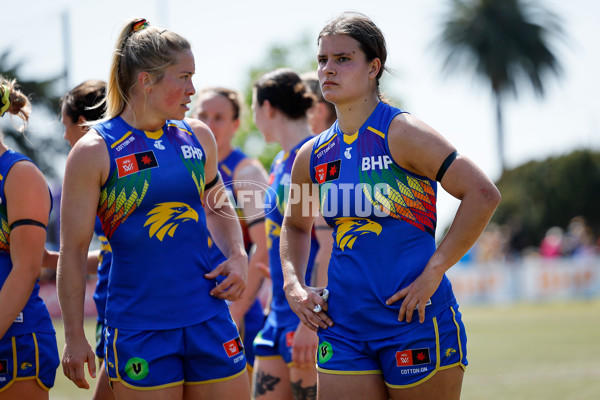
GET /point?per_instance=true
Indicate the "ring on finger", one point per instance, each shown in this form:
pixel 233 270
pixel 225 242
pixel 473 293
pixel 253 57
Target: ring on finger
pixel 317 308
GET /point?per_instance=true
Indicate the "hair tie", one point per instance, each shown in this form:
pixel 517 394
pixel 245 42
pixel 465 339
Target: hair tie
pixel 5 100
pixel 138 26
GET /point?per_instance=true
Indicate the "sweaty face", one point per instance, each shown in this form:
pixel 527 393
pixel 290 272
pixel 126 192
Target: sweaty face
pixel 344 73
pixel 73 132
pixel 217 112
pixel 169 97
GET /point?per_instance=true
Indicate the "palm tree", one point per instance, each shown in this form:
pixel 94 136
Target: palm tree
pixel 505 42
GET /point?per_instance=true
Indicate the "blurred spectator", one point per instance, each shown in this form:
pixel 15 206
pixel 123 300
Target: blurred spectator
pixel 551 245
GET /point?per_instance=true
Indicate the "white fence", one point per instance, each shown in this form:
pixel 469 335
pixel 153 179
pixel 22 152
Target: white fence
pixel 531 279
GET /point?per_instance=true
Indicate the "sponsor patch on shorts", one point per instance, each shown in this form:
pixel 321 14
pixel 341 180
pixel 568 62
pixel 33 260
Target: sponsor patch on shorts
pixel 412 357
pixel 233 347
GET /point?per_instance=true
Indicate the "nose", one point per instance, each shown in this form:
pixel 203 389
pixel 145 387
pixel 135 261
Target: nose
pixel 328 68
pixel 191 88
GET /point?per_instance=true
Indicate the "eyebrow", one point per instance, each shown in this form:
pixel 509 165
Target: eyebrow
pixel 343 53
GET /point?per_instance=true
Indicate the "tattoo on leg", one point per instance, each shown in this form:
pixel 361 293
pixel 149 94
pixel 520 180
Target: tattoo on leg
pixel 264 383
pixel 304 393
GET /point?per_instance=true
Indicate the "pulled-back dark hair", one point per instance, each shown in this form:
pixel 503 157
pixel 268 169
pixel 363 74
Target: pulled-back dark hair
pixel 285 91
pixel 360 28
pixel 86 100
pixel 234 97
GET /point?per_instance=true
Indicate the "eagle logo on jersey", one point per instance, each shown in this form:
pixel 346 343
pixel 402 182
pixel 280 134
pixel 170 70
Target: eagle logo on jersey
pixel 166 217
pixel 273 229
pixel 348 229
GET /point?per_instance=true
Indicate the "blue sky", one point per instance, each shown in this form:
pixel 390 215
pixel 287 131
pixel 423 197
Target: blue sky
pixel 228 37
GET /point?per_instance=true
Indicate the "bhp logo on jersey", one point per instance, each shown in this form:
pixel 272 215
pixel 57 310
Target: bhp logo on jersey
pixel 191 152
pixel 233 347
pixel 328 172
pixel 372 162
pixel 412 357
pixel 136 162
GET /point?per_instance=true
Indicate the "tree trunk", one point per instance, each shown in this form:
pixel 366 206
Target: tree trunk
pixel 500 131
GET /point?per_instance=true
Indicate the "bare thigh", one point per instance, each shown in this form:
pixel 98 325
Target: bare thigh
pixel 444 385
pixel 304 383
pixel 351 387
pixel 103 390
pixel 271 379
pixel 236 388
pixel 28 389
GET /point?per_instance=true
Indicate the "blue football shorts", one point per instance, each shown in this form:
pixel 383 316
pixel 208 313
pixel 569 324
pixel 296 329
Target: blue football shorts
pixel 253 322
pixel 275 341
pixel 405 360
pixel 30 356
pixel 100 340
pixel 208 352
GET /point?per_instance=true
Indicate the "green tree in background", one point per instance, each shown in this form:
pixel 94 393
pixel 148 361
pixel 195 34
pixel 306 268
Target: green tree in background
pixel 542 194
pixel 301 57
pixel 44 148
pixel 505 42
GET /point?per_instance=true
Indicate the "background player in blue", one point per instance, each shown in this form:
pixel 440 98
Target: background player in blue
pixel 152 179
pixel 28 349
pixel 220 109
pixel 85 102
pixel 390 327
pixel 284 349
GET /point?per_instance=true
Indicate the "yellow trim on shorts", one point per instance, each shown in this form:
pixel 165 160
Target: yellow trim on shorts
pixel 460 352
pixel 144 388
pixel 437 363
pixel 15 366
pixel 116 357
pixel 227 378
pixel 333 372
pixel 267 357
pixel 37 363
pixel 126 384
pixel 14 378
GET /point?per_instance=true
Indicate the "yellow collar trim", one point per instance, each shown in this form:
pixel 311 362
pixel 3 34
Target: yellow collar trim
pixel 154 135
pixel 349 139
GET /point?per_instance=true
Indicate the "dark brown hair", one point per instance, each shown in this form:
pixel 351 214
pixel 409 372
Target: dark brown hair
pixel 285 91
pixel 86 100
pixel 235 98
pixel 360 28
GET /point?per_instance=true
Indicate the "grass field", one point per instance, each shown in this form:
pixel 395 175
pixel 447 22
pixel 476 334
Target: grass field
pixel 525 351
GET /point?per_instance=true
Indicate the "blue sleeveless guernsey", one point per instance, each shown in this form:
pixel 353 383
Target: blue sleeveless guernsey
pixel 35 316
pixel 226 168
pixel 384 220
pixel 279 181
pixel 152 215
pixel 104 261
